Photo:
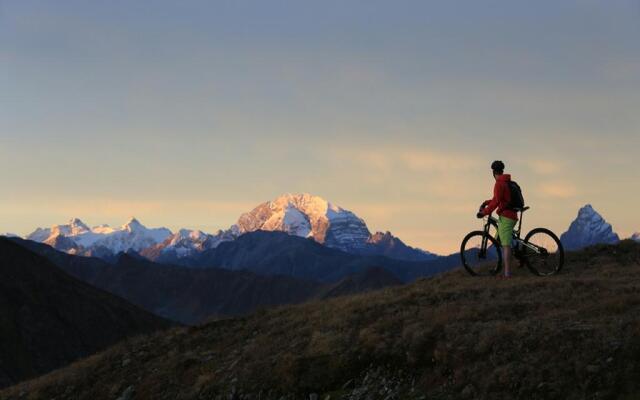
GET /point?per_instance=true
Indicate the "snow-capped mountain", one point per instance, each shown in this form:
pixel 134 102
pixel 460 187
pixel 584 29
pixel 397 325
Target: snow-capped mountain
pixel 636 237
pixel 305 215
pixel 74 227
pixel 301 215
pixel 185 243
pixel 77 238
pixel 9 234
pixel 313 217
pixel 587 229
pixel 133 236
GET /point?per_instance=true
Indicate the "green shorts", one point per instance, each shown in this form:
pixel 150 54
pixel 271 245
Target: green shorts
pixel 505 230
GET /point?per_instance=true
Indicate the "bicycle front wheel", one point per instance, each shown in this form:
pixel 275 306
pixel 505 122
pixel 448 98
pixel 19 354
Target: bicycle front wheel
pixel 481 254
pixel 543 252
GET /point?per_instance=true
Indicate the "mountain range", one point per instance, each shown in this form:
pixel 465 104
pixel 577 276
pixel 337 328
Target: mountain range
pixel 192 295
pixel 301 215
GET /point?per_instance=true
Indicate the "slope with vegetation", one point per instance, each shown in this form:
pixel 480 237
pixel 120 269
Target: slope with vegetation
pixel 571 336
pixel 49 319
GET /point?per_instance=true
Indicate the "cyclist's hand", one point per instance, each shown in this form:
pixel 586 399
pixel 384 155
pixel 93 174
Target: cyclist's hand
pixel 480 215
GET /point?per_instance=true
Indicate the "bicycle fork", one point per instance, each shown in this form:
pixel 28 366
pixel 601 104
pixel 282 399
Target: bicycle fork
pixel 483 246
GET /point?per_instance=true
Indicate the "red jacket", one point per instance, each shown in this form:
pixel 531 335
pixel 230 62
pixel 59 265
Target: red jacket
pixel 501 198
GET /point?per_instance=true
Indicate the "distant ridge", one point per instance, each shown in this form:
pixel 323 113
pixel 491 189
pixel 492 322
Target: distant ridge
pixel 302 215
pixel 278 253
pixel 193 295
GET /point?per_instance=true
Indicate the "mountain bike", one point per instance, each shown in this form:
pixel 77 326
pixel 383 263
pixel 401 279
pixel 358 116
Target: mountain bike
pixel 540 251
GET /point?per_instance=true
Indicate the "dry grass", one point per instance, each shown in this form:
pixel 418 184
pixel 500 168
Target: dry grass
pixel 571 336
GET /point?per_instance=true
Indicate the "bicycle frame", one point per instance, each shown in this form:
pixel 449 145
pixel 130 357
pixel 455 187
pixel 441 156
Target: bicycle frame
pixel 519 242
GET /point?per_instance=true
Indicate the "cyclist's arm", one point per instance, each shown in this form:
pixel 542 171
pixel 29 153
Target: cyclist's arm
pixel 493 203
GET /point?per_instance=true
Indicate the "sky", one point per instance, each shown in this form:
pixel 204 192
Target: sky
pixel 188 113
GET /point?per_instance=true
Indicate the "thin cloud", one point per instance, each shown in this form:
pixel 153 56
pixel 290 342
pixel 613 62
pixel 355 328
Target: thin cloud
pixel 427 160
pixel 544 167
pixel 394 160
pixel 560 190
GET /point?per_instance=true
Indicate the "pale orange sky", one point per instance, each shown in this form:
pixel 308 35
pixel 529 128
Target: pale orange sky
pixel 187 116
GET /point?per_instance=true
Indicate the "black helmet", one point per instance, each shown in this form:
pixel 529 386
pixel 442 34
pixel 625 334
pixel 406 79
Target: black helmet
pixel 497 166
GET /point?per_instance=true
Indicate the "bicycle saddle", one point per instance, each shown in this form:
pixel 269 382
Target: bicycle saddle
pixel 523 209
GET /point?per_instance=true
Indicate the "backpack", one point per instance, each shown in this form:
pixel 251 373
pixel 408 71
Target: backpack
pixel 517 200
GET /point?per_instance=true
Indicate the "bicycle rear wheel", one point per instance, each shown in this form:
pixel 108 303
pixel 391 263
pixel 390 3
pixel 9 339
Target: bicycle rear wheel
pixel 481 255
pixel 543 252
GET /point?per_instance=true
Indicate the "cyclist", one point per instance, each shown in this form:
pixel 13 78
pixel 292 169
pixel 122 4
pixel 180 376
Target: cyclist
pixel 507 217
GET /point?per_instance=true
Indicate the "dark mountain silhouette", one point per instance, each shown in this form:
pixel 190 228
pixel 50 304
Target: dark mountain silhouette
pixel 187 295
pixel 49 319
pixel 269 253
pixel 385 244
pixel 571 336
pixel 191 295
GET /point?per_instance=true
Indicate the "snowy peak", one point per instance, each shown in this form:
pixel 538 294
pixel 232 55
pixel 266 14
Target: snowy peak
pixel 74 227
pixel 184 243
pixel 636 237
pixel 133 225
pixel 306 215
pixel 77 226
pixel 39 235
pixel 62 243
pixel 78 238
pixel 310 216
pixel 187 238
pixel 587 229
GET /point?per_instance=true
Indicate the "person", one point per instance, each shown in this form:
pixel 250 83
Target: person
pixel 507 217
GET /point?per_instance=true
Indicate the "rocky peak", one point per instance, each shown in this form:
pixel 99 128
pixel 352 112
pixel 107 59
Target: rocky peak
pixel 306 215
pixel 587 229
pixel 133 225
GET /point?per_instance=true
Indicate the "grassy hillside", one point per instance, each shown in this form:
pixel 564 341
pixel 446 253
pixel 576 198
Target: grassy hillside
pixel 572 336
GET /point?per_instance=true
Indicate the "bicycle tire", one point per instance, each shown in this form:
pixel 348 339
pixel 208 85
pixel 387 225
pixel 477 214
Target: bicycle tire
pixel 532 260
pixel 473 260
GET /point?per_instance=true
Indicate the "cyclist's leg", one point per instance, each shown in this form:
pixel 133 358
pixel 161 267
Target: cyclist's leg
pixel 505 231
